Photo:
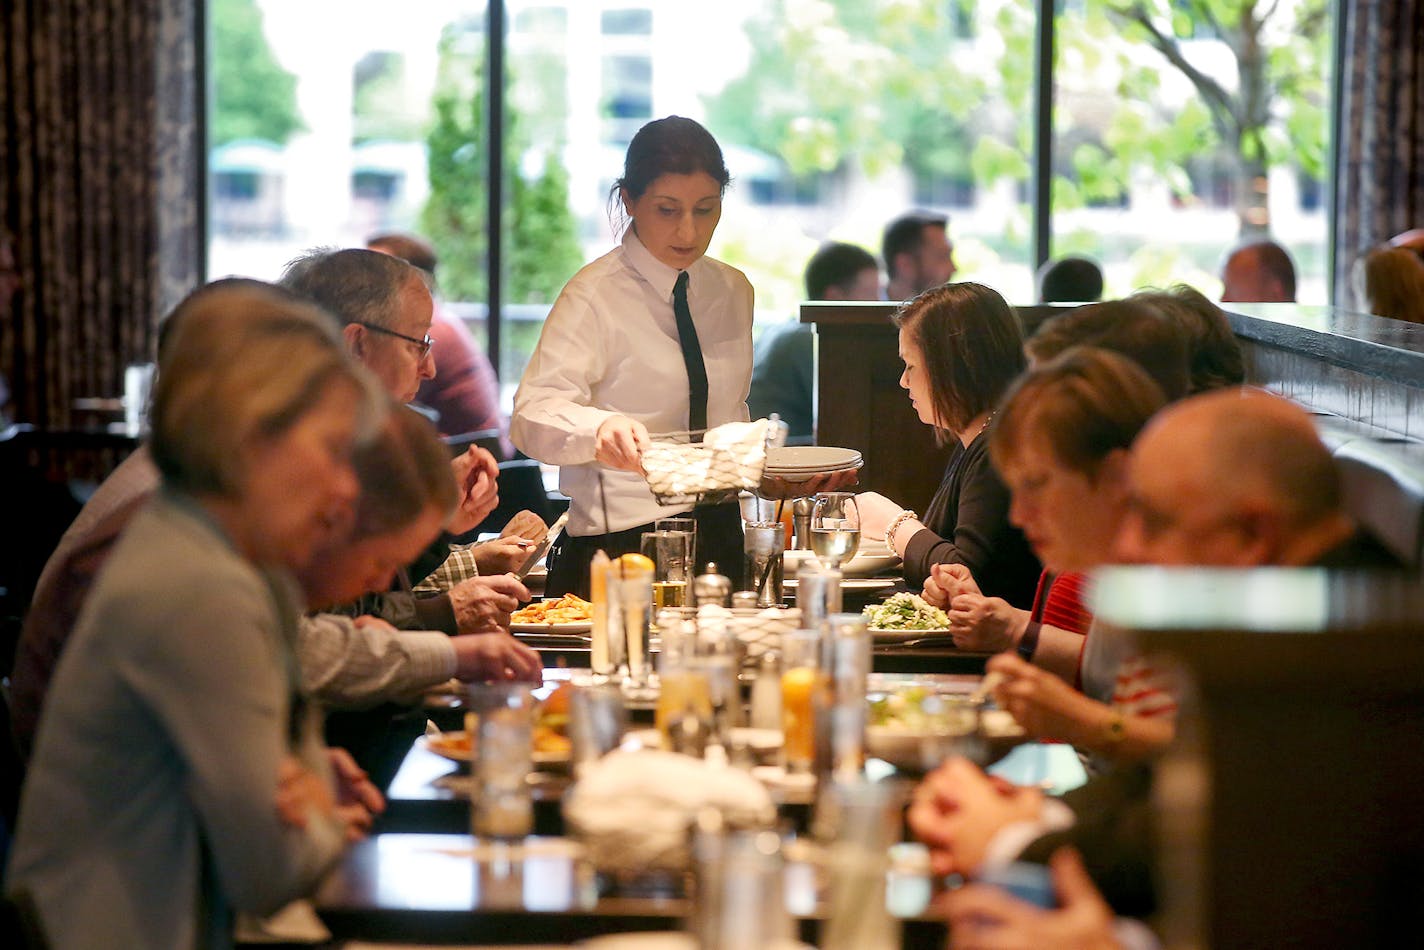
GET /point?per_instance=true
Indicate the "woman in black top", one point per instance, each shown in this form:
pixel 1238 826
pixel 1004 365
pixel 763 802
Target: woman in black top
pixel 962 347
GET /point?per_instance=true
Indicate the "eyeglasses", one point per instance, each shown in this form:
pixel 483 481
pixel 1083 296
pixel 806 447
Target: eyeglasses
pixel 424 344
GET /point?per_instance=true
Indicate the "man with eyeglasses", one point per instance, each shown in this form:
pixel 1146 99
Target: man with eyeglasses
pixel 386 309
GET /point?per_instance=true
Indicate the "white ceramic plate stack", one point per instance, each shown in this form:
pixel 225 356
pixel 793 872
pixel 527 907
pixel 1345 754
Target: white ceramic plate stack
pixel 799 463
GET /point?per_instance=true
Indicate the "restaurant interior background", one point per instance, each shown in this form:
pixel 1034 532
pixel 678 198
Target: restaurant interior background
pixel 149 144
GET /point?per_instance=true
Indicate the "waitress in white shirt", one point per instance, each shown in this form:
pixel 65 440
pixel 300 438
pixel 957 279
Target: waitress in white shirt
pixel 653 337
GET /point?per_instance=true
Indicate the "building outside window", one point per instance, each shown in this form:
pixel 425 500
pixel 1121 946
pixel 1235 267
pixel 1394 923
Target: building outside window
pixel 1168 146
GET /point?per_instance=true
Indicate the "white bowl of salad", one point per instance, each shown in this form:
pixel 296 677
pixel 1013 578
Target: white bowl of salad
pixel 905 616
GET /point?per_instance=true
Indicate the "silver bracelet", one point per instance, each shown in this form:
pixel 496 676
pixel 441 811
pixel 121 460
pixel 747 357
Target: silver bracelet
pixel 900 519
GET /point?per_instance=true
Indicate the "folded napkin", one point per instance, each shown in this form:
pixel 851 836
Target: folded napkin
pixel 632 809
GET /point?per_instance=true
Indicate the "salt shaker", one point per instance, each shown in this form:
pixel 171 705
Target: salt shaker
pixel 710 587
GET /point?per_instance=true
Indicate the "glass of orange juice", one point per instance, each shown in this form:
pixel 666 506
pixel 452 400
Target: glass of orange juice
pixel 801 679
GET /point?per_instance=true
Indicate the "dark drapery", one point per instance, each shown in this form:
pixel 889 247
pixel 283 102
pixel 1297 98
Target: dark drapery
pixel 1380 189
pixel 101 177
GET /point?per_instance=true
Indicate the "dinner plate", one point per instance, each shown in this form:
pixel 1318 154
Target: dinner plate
pixel 872 558
pixel 577 626
pixel 452 746
pixel 881 633
pixel 853 583
pixel 810 458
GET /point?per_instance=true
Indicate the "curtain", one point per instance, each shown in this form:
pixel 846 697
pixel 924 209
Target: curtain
pixel 1380 187
pixel 101 178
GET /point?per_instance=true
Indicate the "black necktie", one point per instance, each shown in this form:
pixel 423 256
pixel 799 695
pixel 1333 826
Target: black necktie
pixel 692 358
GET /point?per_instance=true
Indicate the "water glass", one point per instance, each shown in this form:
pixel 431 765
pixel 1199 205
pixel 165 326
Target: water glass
pixel 504 716
pixel 764 543
pixel 671 554
pixel 867 822
pixel 953 721
pixel 835 527
pixel 682 524
pixel 740 889
pixel 847 655
pixel 597 719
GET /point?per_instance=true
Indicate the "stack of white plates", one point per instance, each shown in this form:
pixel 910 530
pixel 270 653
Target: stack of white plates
pixel 798 463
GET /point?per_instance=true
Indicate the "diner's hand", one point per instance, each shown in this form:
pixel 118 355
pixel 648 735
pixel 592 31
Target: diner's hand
pixel 482 604
pixel 876 513
pixel 984 917
pixel 958 809
pixel 620 442
pixel 358 800
pixel 300 791
pixel 984 623
pixel 477 476
pixel 948 581
pixel 501 555
pixel 1046 706
pixel 495 656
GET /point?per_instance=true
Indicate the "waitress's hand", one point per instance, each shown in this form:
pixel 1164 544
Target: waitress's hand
pixel 620 442
pixel 876 513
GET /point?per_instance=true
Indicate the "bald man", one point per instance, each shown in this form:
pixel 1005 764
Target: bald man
pixel 1231 478
pixel 1259 272
pixel 1238 478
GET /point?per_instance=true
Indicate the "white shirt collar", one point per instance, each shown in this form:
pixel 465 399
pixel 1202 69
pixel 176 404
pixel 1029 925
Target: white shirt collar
pixel 655 272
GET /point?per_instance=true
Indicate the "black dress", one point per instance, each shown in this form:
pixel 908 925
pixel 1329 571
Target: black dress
pixel 968 523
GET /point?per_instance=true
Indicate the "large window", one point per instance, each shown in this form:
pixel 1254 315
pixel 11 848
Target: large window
pixel 1180 127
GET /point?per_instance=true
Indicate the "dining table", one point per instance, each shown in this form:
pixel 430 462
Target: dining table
pixel 436 889
pixel 422 878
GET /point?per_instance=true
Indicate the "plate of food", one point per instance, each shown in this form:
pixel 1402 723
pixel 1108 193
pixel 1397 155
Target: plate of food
pixel 916 727
pixel 569 614
pixel 905 616
pixel 551 748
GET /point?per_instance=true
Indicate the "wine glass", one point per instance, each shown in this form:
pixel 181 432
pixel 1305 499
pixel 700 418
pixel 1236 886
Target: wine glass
pixel 835 527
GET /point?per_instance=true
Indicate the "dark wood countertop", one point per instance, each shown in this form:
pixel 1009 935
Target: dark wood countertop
pixel 1375 346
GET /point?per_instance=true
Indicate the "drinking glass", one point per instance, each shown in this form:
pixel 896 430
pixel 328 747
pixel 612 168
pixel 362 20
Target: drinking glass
pixel 764 544
pixel 682 524
pixel 597 718
pixel 630 608
pixel 847 649
pixel 504 724
pixel 739 879
pixel 835 527
pixel 671 554
pixel 683 715
pixel 953 729
pixel 801 682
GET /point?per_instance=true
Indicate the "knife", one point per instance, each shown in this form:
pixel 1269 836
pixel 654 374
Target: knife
pixel 542 546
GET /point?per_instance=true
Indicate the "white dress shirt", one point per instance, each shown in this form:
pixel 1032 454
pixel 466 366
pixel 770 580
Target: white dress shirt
pixel 610 348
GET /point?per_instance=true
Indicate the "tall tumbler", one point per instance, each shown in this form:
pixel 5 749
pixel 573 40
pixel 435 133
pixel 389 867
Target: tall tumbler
pixel 503 713
pixel 740 895
pixel 848 645
pixel 764 543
